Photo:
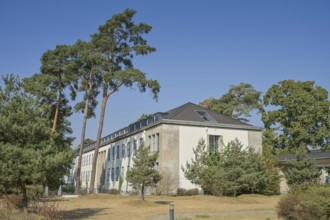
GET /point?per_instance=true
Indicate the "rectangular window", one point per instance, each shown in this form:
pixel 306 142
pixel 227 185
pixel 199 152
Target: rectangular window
pixel 134 145
pixel 151 143
pixel 215 143
pixel 117 173
pixel 118 149
pixel 128 149
pixel 156 142
pixel 109 153
pixel 88 175
pixel 108 175
pixel 113 153
pixel 123 151
pixel 112 174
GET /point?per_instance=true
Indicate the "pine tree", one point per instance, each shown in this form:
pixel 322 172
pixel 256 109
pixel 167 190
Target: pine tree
pixel 237 103
pixel 302 170
pixel 272 171
pixel 205 169
pixel 118 41
pixel 143 173
pixel 30 153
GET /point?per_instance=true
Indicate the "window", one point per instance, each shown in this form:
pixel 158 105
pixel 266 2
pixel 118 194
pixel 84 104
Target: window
pixel 87 175
pixel 112 174
pixel 122 172
pixel 113 153
pixel 118 151
pixel 108 175
pixel 154 142
pixel 128 149
pixel 215 143
pixel 122 150
pixel 117 173
pixel 134 145
pixel 205 116
pixel 150 143
pixel 109 153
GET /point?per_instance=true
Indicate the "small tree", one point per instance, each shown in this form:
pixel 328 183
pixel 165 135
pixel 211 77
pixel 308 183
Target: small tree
pixel 143 174
pixel 205 169
pixel 272 171
pixel 232 172
pixel 302 170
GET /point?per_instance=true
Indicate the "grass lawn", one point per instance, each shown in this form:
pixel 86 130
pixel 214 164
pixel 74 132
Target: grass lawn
pixel 105 206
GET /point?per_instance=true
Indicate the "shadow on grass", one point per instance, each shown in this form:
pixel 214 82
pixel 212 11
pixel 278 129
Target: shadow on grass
pixel 79 213
pixel 163 202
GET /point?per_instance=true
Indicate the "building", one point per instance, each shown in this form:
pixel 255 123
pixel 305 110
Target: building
pixel 174 134
pixel 321 158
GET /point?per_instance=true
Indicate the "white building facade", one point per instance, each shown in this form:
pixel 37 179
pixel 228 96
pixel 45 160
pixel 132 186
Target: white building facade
pixel 174 134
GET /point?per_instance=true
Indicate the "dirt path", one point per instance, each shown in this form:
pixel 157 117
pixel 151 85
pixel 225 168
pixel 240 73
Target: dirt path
pixel 186 215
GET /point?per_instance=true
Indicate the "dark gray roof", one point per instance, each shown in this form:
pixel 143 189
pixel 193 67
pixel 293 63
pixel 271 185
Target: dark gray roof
pixel 315 154
pixel 188 112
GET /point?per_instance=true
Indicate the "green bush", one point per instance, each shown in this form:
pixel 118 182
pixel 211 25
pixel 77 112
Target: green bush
pixel 114 191
pixel 305 202
pixel 187 192
pixel 68 189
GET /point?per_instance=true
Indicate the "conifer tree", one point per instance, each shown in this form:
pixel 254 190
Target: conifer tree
pixel 237 103
pixel 118 41
pixel 143 173
pixel 88 60
pixel 302 170
pixel 272 171
pixel 30 153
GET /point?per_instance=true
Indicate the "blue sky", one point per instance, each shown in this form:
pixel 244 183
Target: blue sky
pixel 202 46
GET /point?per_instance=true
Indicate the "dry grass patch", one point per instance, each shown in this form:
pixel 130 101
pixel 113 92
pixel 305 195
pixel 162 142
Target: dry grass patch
pixel 105 206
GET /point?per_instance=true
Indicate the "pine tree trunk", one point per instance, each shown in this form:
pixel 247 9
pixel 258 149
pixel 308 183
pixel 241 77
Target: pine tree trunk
pixel 142 191
pixel 83 132
pixel 25 199
pixel 57 110
pixel 98 140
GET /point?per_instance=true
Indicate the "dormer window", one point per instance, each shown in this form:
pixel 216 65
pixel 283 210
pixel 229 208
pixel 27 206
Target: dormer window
pixel 205 116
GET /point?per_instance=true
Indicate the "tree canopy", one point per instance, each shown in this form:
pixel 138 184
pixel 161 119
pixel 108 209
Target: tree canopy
pixel 299 117
pixel 237 103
